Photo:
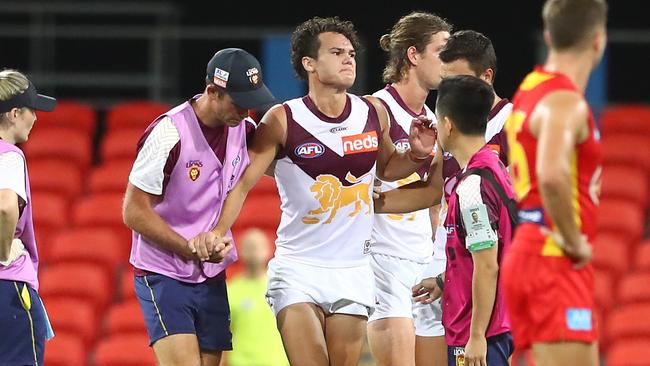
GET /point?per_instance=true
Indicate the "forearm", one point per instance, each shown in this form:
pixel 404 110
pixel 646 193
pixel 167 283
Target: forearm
pixel 9 214
pixel 8 222
pixel 484 288
pixel 149 224
pixel 557 197
pixel 400 165
pixel 411 197
pixel 230 210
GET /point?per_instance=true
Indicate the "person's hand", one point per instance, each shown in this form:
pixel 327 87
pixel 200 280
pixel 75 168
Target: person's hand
pixel 580 253
pixel 476 351
pixel 203 245
pixel 222 247
pixel 422 137
pixel 427 291
pixel 376 190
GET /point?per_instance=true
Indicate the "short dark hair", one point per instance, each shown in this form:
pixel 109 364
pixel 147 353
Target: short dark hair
pixel 572 22
pixel 472 46
pixel 467 101
pixel 305 42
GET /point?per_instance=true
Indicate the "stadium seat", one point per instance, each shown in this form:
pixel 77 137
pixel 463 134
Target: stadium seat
pixel 625 182
pixel 604 289
pixel 125 350
pixel 622 217
pixel 70 115
pixel 628 322
pixel 611 253
pixel 74 317
pixel 134 115
pixel 623 149
pixel 99 247
pixel 65 349
pixel 83 282
pixel 58 177
pixel 259 211
pixel 120 145
pixel 625 119
pixel 265 186
pixel 642 256
pixel 127 288
pixel 634 288
pixel 65 145
pixel 125 318
pixel 110 177
pixel 628 352
pixel 50 213
pixel 102 211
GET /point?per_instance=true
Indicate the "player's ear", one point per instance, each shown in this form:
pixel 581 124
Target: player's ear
pixel 412 55
pixel 488 76
pixel 547 38
pixel 308 64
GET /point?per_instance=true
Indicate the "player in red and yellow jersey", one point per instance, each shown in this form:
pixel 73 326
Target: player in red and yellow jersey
pixel 555 160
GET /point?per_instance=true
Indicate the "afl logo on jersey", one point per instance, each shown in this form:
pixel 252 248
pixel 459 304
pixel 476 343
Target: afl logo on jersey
pixel 309 150
pixel 402 145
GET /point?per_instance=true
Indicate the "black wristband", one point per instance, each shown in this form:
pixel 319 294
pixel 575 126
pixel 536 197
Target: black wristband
pixel 440 282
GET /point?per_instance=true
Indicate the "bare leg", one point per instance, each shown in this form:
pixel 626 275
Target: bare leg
pixel 430 351
pixel 344 334
pixel 565 353
pixel 210 358
pixel 392 341
pixel 302 328
pixel 178 350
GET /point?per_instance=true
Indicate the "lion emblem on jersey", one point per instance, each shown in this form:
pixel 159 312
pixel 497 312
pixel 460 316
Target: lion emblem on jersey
pixel 332 196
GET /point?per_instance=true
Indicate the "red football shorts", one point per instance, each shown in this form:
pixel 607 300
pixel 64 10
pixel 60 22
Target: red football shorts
pixel 548 300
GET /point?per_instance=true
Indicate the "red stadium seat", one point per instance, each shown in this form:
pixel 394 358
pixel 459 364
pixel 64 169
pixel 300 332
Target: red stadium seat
pixel 65 349
pixel 121 145
pixel 628 352
pixel 58 177
pixel 50 212
pixel 611 253
pixel 623 149
pixel 625 182
pixel 125 318
pixel 629 321
pixel 265 186
pixel 625 119
pixel 82 282
pixel 102 211
pixel 99 247
pixel 260 211
pixel 634 288
pixel 134 115
pixel 125 350
pixel 70 115
pixel 642 256
pixel 73 317
pixel 127 288
pixel 604 289
pixel 110 177
pixel 65 145
pixel 622 217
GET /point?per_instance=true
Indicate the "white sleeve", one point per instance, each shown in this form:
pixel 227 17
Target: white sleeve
pixel 148 169
pixel 474 215
pixel 12 168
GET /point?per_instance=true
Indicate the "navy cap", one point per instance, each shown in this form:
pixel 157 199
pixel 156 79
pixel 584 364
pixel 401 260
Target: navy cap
pixel 29 98
pixel 240 74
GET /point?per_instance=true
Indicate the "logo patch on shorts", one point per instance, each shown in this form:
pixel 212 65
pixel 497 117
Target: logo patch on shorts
pixel 459 353
pixel 578 319
pixel 366 247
